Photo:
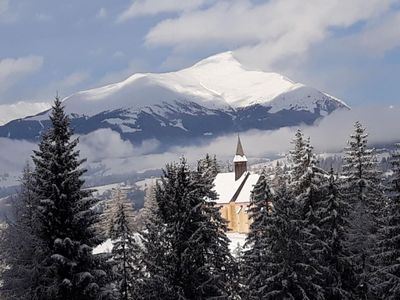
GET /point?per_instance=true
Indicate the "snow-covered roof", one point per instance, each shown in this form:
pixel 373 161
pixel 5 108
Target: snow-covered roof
pixel 239 158
pixel 226 187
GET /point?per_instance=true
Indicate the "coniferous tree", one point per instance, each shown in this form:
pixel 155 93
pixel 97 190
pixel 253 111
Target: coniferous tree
pixel 296 157
pixel 255 259
pixel 17 243
pixel 338 273
pixel 156 282
pixel 306 185
pixel 289 269
pixel 126 252
pixel 66 219
pixel 195 262
pixel 362 190
pixel 388 255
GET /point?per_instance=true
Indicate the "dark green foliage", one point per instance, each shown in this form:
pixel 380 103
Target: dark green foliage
pixel 338 273
pixel 363 191
pixel 191 259
pixel 126 252
pixel 65 219
pixel 18 244
pixel 255 258
pixel 289 269
pixel 388 254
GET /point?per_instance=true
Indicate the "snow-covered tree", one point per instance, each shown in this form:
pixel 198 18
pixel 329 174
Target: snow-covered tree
pixel 306 185
pixel 17 243
pixel 363 191
pixel 289 271
pixel 65 219
pixel 388 256
pixel 297 159
pixel 209 164
pixel 255 258
pixel 191 256
pixel 338 268
pixel 126 252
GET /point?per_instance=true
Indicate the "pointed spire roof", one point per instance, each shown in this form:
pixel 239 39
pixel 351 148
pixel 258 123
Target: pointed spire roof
pixel 239 156
pixel 239 148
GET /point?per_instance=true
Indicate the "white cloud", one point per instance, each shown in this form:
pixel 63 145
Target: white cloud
pixel 264 33
pixel 21 109
pixel 381 36
pixel 14 69
pixel 109 154
pixel 154 7
pixel 115 156
pixel 14 155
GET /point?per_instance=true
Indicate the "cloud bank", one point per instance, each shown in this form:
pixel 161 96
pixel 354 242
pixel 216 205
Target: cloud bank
pixel 263 33
pixel 108 154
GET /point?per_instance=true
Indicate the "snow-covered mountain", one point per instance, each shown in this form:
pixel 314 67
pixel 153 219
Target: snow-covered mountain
pixel 217 95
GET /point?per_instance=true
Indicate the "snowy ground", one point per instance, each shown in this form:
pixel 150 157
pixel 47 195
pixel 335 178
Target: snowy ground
pixel 236 239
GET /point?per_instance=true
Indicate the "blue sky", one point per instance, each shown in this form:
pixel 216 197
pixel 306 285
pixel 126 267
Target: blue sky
pixel 350 49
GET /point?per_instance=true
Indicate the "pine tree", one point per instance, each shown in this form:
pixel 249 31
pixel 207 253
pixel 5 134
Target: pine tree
pixel 363 191
pixel 389 239
pixel 306 184
pixel 66 219
pixel 17 243
pixel 338 273
pixel 255 259
pixel 156 282
pixel 296 157
pixel 289 270
pixel 192 247
pixel 126 252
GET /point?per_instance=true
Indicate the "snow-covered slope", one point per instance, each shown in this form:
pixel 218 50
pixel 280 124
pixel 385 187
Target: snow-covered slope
pixel 217 81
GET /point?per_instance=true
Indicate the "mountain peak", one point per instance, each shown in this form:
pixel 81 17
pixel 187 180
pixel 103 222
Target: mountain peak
pixel 217 59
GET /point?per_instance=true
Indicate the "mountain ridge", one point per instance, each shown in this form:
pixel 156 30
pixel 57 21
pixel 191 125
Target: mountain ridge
pixel 215 96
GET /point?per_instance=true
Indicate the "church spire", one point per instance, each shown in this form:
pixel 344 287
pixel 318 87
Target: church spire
pixel 240 160
pixel 239 147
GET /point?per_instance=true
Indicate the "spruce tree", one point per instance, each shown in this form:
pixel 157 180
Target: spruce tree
pixel 362 190
pixel 388 255
pixel 306 185
pixel 66 219
pixel 126 252
pixel 255 258
pixel 338 272
pixel 192 259
pixel 17 243
pixel 289 269
pixel 296 158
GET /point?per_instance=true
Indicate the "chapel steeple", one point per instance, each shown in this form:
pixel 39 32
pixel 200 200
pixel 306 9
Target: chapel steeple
pixel 240 160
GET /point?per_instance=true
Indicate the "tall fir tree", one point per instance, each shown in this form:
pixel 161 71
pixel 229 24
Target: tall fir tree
pixel 296 158
pixel 388 257
pixel 126 252
pixel 363 191
pixel 195 260
pixel 338 279
pixel 18 244
pixel 66 219
pixel 289 270
pixel 306 185
pixel 256 258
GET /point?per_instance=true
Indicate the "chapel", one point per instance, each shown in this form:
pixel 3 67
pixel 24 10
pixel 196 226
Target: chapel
pixel 234 191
